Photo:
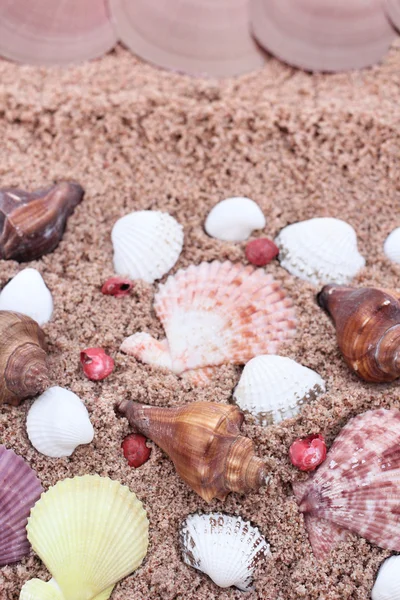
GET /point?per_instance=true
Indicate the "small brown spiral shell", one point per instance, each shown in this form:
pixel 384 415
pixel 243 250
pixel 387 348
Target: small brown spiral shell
pixel 23 369
pixel 367 322
pixel 203 441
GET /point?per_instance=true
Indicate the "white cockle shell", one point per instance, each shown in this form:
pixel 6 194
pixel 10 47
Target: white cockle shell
pixel 58 422
pixel 234 219
pixel 273 388
pixel 147 244
pixel 321 251
pixel 387 584
pixel 391 246
pixel 224 547
pixel 28 294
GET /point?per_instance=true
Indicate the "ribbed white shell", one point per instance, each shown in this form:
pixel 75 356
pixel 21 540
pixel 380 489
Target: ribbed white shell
pixel 147 244
pixel 273 388
pixel 224 547
pixel 28 294
pixel 58 422
pixel 387 584
pixel 391 246
pixel 234 219
pixel 320 251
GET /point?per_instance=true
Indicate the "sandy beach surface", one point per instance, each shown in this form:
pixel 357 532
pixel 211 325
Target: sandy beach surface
pixel 137 137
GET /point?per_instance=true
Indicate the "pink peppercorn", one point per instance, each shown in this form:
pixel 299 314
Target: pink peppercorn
pixel 260 252
pixel 135 450
pixel 96 363
pixel 307 453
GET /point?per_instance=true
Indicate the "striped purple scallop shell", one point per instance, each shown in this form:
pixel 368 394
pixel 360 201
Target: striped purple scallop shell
pixel 357 488
pixel 19 490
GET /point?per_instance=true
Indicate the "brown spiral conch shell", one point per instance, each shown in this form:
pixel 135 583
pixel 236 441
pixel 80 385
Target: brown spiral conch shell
pixel 367 322
pixel 357 487
pixel 32 224
pixel 203 441
pixel 23 368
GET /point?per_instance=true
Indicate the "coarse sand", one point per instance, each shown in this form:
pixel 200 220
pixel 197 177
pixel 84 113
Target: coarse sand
pixel 137 137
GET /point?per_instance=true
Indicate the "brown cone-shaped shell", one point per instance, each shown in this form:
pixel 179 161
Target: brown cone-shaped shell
pixel 194 36
pixel 367 322
pixel 357 488
pixel 32 224
pixel 203 441
pixel 323 35
pixel 23 368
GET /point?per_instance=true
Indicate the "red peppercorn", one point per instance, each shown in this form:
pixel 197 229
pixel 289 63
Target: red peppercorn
pixel 96 363
pixel 260 252
pixel 117 286
pixel 135 450
pixel 307 453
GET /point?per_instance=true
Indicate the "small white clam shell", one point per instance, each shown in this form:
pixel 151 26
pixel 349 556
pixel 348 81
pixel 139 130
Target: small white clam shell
pixel 387 584
pixel 234 219
pixel 58 422
pixel 225 547
pixel 391 246
pixel 28 294
pixel 321 251
pixel 273 388
pixel 147 244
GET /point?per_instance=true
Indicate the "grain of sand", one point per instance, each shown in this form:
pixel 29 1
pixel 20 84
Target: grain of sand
pixel 136 137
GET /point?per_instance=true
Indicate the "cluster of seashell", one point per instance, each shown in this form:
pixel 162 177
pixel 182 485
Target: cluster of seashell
pixel 203 38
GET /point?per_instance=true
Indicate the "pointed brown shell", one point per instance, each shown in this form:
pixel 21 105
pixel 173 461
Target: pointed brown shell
pixel 23 368
pixel 367 322
pixel 195 36
pixel 357 488
pixel 323 35
pixel 32 224
pixel 203 440
pixel 49 32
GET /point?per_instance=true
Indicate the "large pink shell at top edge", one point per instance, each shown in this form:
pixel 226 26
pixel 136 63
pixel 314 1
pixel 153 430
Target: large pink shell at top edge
pixel 392 9
pixel 323 35
pixel 51 32
pixel 19 491
pixel 199 37
pixel 358 486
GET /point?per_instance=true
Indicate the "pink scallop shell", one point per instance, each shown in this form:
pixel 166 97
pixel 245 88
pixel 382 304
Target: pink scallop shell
pixel 48 32
pixel 323 35
pixel 213 314
pixel 193 36
pixel 357 488
pixel 19 491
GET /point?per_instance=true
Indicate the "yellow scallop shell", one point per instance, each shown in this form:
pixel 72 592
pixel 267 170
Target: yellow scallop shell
pixel 90 532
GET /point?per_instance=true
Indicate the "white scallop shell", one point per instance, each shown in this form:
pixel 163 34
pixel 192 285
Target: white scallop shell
pixel 58 422
pixel 321 251
pixel 234 219
pixel 391 246
pixel 224 547
pixel 273 388
pixel 387 584
pixel 28 294
pixel 147 244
